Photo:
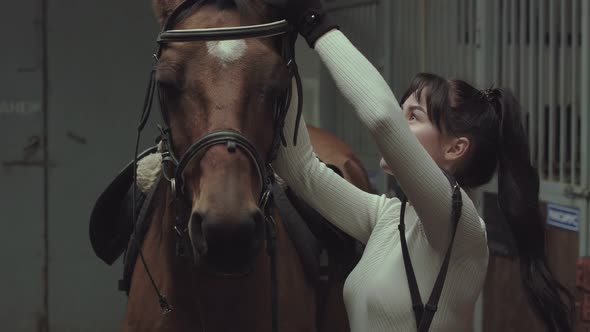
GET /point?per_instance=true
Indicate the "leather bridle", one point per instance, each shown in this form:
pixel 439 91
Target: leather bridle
pixel 232 139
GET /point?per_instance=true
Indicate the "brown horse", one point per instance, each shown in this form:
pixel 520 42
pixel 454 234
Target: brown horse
pixel 208 86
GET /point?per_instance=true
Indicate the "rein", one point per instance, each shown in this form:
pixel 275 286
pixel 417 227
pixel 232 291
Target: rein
pixel 232 139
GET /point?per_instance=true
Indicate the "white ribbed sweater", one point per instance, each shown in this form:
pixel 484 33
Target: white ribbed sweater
pixel 376 292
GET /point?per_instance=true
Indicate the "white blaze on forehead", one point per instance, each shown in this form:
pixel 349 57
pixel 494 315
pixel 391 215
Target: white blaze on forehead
pixel 227 51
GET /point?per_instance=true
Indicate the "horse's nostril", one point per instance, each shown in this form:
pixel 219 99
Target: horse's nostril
pixel 228 235
pixel 196 235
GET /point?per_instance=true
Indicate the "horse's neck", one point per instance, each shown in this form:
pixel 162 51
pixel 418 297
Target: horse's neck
pixel 158 247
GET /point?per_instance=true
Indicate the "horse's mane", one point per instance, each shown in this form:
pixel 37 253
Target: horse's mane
pixel 254 10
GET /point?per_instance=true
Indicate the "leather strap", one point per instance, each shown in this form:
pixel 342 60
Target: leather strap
pixel 226 33
pixel 230 137
pixel 271 250
pixel 304 241
pixel 141 227
pixel 425 313
pixel 417 305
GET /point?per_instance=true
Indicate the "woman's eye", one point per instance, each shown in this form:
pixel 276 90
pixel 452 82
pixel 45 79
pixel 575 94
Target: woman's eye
pixel 412 116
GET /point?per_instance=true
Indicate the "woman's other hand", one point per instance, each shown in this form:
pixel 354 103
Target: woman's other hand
pixel 307 16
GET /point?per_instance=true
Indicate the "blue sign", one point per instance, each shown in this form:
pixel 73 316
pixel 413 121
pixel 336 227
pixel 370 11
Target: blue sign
pixel 563 217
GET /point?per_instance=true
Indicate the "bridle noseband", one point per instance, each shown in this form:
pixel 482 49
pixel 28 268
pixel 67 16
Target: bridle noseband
pixel 232 139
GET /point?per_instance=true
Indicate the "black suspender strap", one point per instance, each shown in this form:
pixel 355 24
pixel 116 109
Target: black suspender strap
pixel 414 291
pixel 425 313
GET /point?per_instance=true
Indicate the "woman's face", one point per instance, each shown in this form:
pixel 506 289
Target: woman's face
pixel 416 114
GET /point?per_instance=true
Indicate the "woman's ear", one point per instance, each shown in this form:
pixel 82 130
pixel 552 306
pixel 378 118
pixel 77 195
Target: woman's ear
pixel 456 148
pixel 163 9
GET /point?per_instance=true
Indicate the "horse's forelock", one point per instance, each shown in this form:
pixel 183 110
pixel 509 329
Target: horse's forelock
pixel 253 8
pixel 257 10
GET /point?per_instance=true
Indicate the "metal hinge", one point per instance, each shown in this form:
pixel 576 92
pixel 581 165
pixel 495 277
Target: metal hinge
pixel 30 151
pixel 576 193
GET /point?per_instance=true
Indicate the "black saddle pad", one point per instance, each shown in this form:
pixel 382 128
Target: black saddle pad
pixel 111 221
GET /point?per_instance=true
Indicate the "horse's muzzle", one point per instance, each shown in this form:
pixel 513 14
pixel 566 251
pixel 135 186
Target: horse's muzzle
pixel 227 246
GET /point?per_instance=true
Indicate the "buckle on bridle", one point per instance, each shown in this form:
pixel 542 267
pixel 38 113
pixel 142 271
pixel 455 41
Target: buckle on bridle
pixel 173 187
pixel 164 305
pixel 291 66
pixel 264 200
pixel 179 232
pixel 231 146
pixel 431 307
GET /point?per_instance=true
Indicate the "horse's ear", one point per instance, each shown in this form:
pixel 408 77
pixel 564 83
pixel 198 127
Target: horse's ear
pixel 163 9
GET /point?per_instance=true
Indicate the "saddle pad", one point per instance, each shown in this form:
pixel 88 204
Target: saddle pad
pixel 111 220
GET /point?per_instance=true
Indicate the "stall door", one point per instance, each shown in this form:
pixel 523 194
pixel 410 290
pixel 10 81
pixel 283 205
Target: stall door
pixel 100 56
pixel 23 216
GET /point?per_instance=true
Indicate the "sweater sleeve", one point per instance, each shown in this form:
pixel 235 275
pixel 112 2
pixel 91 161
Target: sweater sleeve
pixel 352 210
pixel 419 176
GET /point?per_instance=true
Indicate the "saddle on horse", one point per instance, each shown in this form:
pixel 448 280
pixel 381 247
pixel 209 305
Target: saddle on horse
pixel 111 221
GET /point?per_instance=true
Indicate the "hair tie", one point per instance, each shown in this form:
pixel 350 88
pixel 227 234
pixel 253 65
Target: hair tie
pixel 488 94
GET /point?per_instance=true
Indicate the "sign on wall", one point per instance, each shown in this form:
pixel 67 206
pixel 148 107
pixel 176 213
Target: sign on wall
pixel 563 217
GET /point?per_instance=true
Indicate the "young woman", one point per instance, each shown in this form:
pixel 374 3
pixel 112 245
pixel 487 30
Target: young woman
pixel 443 126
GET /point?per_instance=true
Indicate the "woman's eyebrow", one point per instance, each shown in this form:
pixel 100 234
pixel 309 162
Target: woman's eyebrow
pixel 416 108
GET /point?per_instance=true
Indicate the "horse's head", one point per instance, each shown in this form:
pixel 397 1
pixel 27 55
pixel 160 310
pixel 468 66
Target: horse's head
pixel 207 86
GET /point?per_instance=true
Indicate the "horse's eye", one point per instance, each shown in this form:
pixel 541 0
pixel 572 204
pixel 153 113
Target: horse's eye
pixel 169 88
pixel 272 91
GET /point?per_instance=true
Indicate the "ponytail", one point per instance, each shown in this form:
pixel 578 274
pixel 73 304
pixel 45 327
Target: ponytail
pixel 518 197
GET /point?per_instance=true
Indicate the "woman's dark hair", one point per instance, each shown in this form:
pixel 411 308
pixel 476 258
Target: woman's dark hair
pixel 491 120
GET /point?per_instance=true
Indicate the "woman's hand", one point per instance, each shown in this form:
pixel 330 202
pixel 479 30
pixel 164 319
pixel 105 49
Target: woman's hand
pixel 307 16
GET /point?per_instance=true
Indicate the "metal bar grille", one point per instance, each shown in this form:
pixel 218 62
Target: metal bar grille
pixel 551 103
pixel 540 49
pixel 532 77
pixel 450 35
pixel 575 88
pixel 505 41
pixel 564 105
pixel 540 161
pixel 497 42
pixel 522 18
pixel 584 110
pixel 513 46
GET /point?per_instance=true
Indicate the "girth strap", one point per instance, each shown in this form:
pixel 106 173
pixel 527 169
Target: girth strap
pixel 425 313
